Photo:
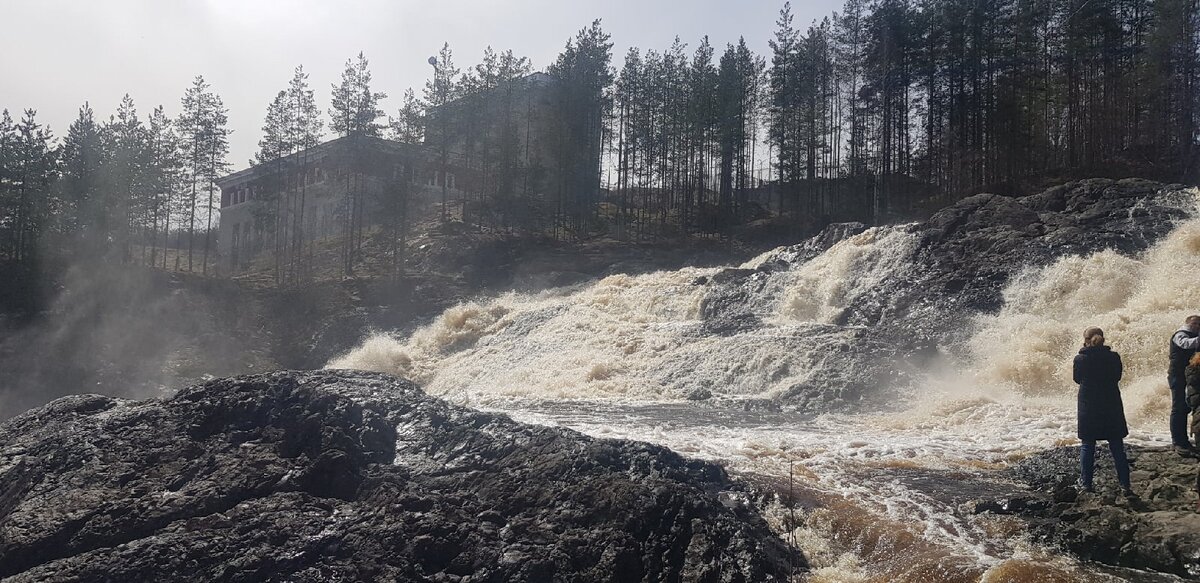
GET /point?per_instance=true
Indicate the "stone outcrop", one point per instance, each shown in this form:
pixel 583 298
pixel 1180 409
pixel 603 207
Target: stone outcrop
pixel 338 475
pixel 960 262
pixel 967 252
pixel 1156 530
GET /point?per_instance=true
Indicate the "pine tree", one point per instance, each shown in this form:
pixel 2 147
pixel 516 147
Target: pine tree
pixel 628 101
pixel 440 91
pixel 850 37
pixel 126 201
pixel 9 142
pixel 354 111
pixel 163 168
pixel 354 107
pixel 704 116
pixel 83 220
pixel 501 148
pixel 270 205
pixel 737 105
pixel 303 132
pixel 584 76
pixel 34 168
pixel 215 165
pixel 785 104
pixel 205 143
pixel 889 74
pixel 409 124
pixel 275 143
pixel 730 92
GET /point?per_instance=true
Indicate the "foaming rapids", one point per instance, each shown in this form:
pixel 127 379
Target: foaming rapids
pixel 1139 302
pixel 627 356
pixel 641 337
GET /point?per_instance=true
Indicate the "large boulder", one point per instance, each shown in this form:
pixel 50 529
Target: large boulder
pixel 339 475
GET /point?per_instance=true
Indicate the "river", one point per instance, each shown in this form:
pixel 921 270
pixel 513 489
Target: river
pixel 871 489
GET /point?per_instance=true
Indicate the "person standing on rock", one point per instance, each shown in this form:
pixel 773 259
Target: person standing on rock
pixel 1101 415
pixel 1184 344
pixel 1192 377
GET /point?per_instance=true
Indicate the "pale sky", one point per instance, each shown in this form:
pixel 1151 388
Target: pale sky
pixel 57 54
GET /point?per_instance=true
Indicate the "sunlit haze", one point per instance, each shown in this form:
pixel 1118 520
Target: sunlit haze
pixel 100 51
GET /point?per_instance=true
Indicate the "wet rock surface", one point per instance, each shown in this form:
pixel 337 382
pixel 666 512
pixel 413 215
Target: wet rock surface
pixel 959 263
pixel 338 475
pixel 1155 530
pixel 967 252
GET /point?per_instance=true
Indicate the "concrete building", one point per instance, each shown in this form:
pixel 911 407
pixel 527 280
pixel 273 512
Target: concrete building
pixel 501 146
pixel 332 189
pixel 490 155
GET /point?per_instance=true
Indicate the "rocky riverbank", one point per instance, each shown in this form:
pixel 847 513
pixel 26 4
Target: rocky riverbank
pixel 339 475
pixel 1159 530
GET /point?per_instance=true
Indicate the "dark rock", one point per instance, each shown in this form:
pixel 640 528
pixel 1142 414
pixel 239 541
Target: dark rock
pixel 1156 531
pixel 317 476
pixel 968 251
pixel 960 262
pixel 1010 505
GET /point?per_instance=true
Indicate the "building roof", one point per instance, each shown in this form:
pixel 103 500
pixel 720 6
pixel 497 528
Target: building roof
pixel 535 79
pixel 376 143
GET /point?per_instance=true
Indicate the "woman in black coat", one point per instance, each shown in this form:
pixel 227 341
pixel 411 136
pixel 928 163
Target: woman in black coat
pixel 1101 414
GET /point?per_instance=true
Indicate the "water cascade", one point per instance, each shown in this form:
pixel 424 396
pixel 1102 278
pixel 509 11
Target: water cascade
pixel 637 356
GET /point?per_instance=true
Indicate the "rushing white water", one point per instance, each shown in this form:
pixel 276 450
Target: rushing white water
pixel 638 337
pixel 621 356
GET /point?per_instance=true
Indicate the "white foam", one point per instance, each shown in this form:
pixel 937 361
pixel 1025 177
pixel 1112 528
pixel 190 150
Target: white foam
pixel 638 337
pixel 572 357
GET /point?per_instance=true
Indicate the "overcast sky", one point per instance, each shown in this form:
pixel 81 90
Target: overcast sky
pixel 57 54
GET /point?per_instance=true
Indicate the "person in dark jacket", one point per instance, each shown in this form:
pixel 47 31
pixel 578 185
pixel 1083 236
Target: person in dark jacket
pixel 1097 370
pixel 1192 376
pixel 1184 344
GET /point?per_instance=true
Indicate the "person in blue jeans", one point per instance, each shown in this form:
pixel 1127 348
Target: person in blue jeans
pixel 1101 415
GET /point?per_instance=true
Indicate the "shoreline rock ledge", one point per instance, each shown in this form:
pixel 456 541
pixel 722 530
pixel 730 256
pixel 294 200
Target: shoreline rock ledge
pixel 352 476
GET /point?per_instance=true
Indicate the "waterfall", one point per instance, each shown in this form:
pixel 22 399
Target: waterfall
pixel 641 337
pixel 626 356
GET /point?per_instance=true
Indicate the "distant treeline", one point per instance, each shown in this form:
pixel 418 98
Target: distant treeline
pixel 882 110
pixel 114 190
pixel 882 107
pixel 910 102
